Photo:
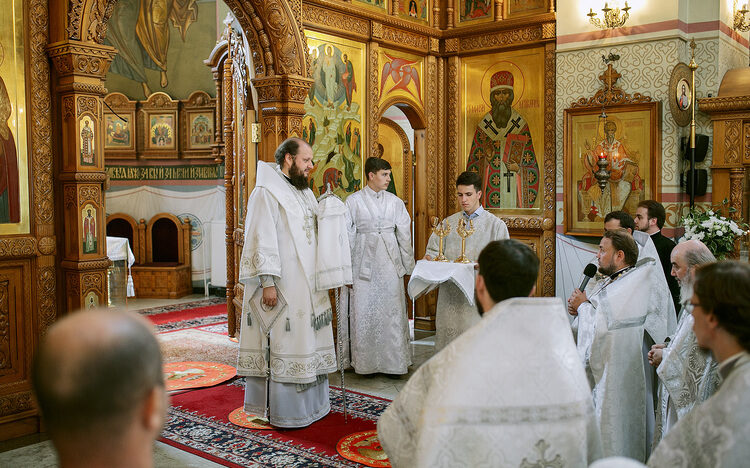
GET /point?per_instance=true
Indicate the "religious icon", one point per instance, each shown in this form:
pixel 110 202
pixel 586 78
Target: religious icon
pixel 469 10
pixel 683 94
pixel 415 10
pixel 87 141
pixel 334 112
pixel 89 229
pixel 161 133
pixel 502 150
pixel 201 130
pixel 117 132
pixel 91 300
pixel 379 4
pixel 10 209
pixel 403 74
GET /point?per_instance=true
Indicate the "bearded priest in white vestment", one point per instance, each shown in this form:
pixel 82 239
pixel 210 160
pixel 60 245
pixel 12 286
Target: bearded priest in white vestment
pixel 716 433
pixel 508 392
pixel 278 270
pixel 688 374
pixel 617 325
pixel 380 236
pixel 454 314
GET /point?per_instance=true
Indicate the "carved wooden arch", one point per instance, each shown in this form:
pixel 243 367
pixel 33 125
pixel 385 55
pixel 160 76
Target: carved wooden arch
pixel 406 158
pixel 273 29
pixel 415 115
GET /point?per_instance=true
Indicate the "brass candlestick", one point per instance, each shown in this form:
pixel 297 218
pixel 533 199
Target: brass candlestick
pixel 464 233
pixel 440 230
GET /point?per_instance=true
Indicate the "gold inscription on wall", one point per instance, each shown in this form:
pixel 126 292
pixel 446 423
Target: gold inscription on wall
pixel 204 172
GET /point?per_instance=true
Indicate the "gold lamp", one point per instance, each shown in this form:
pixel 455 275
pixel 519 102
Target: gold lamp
pixel 741 23
pixel 613 17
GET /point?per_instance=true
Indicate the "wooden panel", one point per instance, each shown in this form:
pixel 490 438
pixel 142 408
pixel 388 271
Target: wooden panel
pixel 533 240
pixel 15 327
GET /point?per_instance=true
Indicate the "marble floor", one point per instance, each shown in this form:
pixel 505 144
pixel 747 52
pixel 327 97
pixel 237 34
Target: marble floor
pixel 36 451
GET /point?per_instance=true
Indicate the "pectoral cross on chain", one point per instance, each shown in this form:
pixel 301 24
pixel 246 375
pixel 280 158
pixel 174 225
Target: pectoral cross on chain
pixel 508 175
pixel 488 124
pixel 513 125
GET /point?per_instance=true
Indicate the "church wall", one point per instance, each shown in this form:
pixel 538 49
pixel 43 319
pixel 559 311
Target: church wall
pixel 650 45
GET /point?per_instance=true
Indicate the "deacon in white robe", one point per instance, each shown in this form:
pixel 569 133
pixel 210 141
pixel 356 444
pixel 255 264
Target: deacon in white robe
pixel 510 391
pixel 617 324
pixel 716 432
pixel 688 374
pixel 278 271
pixel 454 314
pixel 380 235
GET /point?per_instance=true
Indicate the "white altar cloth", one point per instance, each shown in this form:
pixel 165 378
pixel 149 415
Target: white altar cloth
pixel 118 248
pixel 429 274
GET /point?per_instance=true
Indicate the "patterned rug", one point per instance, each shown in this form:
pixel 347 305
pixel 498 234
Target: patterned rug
pixel 198 423
pixel 196 374
pixel 183 306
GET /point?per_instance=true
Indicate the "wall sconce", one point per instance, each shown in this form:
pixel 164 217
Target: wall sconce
pixel 613 17
pixel 740 22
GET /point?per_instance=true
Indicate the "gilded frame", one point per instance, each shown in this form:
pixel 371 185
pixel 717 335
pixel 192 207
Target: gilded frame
pixel 637 133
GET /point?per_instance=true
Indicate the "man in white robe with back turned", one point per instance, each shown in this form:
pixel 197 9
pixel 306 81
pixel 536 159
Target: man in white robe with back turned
pixel 278 270
pixel 454 313
pixel 380 237
pixel 509 392
pixel 716 432
pixel 688 374
pixel 617 324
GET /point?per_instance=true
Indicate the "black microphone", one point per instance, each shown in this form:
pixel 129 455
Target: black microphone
pixel 588 273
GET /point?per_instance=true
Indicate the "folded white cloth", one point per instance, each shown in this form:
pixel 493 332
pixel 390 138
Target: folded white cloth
pixel 429 274
pixel 333 262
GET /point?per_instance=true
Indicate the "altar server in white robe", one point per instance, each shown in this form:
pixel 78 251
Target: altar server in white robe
pixel 716 432
pixel 510 391
pixel 278 270
pixel 380 236
pixel 617 325
pixel 454 313
pixel 688 374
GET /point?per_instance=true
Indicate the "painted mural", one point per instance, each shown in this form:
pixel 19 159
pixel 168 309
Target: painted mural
pixel 87 137
pixel 401 75
pixel 14 191
pixel 88 224
pixel 379 4
pixel 415 10
pixel 475 10
pixel 525 7
pixel 116 132
pixel 334 114
pixel 161 46
pixel 503 126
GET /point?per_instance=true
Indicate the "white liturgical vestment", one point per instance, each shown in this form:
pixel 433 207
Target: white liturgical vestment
pixel 454 314
pixel 281 242
pixel 380 235
pixel 716 432
pixel 688 375
pixel 615 331
pixel 509 391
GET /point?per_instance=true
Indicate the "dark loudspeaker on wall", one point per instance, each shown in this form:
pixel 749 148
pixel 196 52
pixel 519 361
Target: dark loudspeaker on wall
pixel 701 147
pixel 701 182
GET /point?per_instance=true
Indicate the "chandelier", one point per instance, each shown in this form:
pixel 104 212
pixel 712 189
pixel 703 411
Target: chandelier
pixel 740 22
pixel 613 17
pixel 602 175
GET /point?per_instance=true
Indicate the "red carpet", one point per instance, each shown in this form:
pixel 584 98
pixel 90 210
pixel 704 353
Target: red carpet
pixel 187 314
pixel 198 423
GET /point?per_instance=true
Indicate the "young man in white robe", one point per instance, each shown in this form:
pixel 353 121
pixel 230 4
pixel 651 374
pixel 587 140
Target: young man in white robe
pixel 617 324
pixel 286 320
pixel 716 432
pixel 510 391
pixel 380 237
pixel 454 314
pixel 688 374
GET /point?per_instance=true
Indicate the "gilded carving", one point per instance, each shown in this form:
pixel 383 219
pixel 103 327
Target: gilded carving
pixel 452 108
pixel 611 94
pixel 403 38
pixel 548 31
pixel 73 284
pixel 46 297
pixel 327 18
pixel 723 104
pixel 501 39
pixel 549 131
pixel 431 156
pixel 736 177
pixel 88 104
pixel 374 107
pixel 451 45
pixel 377 30
pixel 5 360
pixel 88 193
pixel 746 150
pixel 81 58
pixel 17 247
pixel 434 45
pixel 68 107
pixel 92 281
pixel 281 28
pixel 732 141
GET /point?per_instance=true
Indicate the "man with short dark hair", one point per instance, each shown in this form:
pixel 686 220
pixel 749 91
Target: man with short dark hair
pixel 506 391
pixel 454 313
pixel 649 218
pixel 687 373
pixel 99 383
pixel 380 238
pixel 617 324
pixel 619 220
pixel 286 340
pixel 716 432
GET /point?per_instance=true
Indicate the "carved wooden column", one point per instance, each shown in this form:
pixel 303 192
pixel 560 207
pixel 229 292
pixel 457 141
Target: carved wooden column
pixel 372 116
pixel 228 107
pixel 281 107
pixel 81 68
pixel 736 177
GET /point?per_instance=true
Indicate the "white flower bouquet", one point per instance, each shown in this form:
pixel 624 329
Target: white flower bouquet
pixel 714 230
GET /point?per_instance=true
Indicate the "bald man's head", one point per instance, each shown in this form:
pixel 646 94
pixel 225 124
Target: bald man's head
pixel 93 372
